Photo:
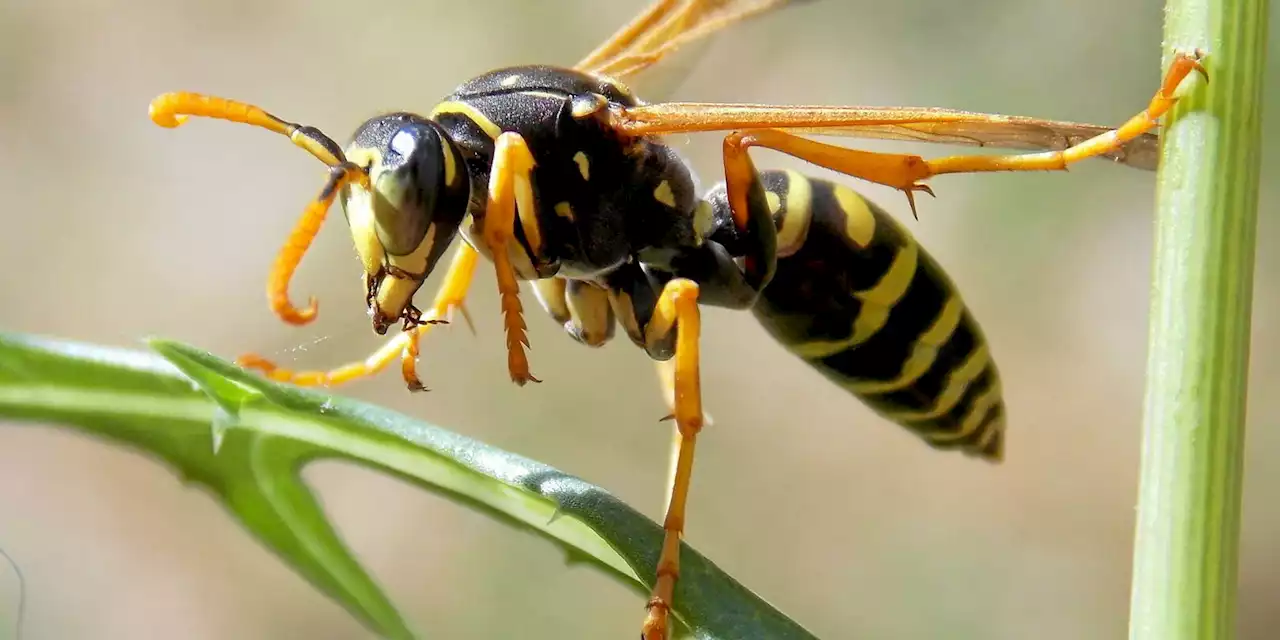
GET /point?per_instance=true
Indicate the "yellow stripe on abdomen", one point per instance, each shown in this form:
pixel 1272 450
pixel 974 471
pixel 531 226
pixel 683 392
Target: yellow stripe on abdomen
pixel 861 301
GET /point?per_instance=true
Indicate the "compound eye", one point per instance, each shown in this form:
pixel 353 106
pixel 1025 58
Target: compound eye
pixel 407 188
pixel 404 143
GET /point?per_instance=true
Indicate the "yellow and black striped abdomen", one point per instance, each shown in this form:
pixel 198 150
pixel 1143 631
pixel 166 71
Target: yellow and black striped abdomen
pixel 861 301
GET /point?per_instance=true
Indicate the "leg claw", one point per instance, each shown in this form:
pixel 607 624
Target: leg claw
pixel 911 198
pixel 655 623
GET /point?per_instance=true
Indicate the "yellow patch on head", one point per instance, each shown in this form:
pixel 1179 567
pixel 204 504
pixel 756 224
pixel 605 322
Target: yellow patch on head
pixel 584 167
pixel 450 165
pixel 364 229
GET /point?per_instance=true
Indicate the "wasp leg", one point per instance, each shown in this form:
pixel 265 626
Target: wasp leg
pixel 676 310
pixel 581 307
pixel 509 181
pixel 1148 119
pixel 453 290
pixel 451 296
pixel 751 216
pixel 713 261
pixel 633 295
pixel 906 172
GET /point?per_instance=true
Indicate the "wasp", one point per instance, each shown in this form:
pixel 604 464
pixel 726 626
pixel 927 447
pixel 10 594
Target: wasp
pixel 560 177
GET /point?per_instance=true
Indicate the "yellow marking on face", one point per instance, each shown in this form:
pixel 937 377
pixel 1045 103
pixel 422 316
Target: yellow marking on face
pixel 664 195
pixel 859 222
pixel 564 210
pixel 364 229
pixel 469 112
pixel 510 80
pixel 978 412
pixel 367 157
pixel 584 166
pixel 799 215
pixel 450 163
pixel 625 310
pixel 591 313
pixel 395 293
pixel 953 389
pixel 923 353
pixel 416 262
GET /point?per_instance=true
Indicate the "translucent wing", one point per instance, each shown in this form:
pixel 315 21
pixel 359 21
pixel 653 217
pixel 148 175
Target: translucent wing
pixel 670 25
pixel 666 26
pixel 945 126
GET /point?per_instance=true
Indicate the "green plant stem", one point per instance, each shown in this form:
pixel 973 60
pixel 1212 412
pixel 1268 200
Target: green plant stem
pixel 1186 551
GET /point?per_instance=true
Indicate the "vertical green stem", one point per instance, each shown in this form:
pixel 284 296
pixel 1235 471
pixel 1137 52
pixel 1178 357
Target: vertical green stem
pixel 1185 556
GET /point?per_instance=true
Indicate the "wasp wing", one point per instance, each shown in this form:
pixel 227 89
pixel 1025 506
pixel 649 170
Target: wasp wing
pixel 666 26
pixel 933 125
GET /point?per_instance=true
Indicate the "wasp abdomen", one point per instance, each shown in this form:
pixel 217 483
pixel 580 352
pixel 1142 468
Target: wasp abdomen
pixel 860 300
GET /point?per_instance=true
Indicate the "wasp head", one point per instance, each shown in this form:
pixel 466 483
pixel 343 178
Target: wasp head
pixel 406 219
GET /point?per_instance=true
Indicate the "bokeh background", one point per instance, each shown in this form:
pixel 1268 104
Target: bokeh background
pixel 115 229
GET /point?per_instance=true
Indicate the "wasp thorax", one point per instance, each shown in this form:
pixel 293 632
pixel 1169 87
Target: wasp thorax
pixel 410 214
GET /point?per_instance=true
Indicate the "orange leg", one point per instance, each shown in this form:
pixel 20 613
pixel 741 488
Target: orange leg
pixel 676 310
pixel 906 172
pixel 451 295
pixel 512 162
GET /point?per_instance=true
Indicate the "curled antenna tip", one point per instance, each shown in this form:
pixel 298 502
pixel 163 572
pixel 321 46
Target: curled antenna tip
pixel 162 114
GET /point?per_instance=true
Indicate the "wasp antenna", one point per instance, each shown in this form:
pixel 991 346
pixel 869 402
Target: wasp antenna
pixel 172 109
pixel 300 240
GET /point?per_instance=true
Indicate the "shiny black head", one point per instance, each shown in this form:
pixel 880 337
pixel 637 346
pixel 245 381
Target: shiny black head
pixel 403 224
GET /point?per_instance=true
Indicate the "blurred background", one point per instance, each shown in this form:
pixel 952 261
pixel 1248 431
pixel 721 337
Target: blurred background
pixel 844 521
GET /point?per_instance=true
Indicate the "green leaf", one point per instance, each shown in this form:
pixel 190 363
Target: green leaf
pixel 245 439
